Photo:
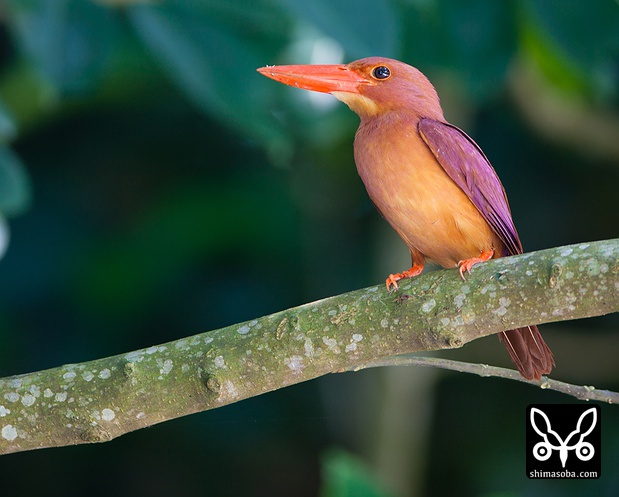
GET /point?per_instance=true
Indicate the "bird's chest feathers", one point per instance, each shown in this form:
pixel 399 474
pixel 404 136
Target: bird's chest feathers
pixel 401 176
pixel 415 194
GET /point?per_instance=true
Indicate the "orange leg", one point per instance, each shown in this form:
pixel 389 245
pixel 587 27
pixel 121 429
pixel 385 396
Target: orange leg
pixel 467 264
pixel 394 278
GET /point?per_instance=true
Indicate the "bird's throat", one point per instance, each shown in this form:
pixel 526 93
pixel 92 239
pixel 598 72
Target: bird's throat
pixel 361 105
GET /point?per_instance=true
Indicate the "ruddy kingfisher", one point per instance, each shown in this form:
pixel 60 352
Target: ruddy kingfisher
pixel 428 178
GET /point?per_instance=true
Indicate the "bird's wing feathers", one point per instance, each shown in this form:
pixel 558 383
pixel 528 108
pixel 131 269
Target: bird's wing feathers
pixel 467 165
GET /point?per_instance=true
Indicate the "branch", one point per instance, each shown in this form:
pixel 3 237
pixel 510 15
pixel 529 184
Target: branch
pixel 99 400
pixel 581 392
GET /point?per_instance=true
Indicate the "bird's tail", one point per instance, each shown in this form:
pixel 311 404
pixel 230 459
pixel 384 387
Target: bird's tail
pixel 528 351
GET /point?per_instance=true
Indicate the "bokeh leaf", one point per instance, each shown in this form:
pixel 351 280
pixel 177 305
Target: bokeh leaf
pixel 574 45
pixel 5 236
pixel 475 39
pixel 363 27
pixel 14 184
pixel 70 41
pixel 345 476
pixel 8 129
pixel 588 36
pixel 214 66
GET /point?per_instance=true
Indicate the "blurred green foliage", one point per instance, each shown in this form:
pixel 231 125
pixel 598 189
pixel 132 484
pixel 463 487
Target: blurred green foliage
pixel 156 186
pixel 344 475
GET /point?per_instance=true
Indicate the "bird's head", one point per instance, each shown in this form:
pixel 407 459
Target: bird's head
pixel 368 86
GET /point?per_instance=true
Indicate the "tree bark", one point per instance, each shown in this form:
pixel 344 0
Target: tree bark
pixel 99 400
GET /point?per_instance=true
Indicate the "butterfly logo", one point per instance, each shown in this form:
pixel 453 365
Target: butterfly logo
pixel 574 441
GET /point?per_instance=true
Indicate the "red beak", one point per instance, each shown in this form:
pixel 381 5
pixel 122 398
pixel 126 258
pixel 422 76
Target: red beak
pixel 325 79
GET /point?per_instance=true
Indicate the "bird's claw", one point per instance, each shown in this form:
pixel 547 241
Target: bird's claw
pixel 467 264
pixel 392 280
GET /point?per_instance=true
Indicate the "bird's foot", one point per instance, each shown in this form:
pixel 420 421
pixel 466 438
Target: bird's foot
pixel 393 279
pixel 467 264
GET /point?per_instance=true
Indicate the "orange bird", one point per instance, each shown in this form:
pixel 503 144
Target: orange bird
pixel 428 178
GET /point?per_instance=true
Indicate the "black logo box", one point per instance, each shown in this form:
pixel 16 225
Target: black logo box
pixel 563 441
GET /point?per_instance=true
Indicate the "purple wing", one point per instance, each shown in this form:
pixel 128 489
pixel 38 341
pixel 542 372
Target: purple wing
pixel 469 168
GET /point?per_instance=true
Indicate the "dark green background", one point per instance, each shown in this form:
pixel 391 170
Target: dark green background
pixel 156 186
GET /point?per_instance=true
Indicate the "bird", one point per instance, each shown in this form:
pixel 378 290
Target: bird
pixel 431 182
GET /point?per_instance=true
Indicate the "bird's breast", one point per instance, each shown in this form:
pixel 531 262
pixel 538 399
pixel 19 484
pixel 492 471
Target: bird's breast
pixel 416 196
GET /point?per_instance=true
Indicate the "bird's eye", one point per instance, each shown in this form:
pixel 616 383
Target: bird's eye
pixel 381 72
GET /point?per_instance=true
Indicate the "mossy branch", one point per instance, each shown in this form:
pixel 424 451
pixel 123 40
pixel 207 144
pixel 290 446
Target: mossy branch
pixel 99 400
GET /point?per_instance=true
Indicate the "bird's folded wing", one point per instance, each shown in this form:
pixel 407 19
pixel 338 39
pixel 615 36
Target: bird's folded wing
pixel 467 165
